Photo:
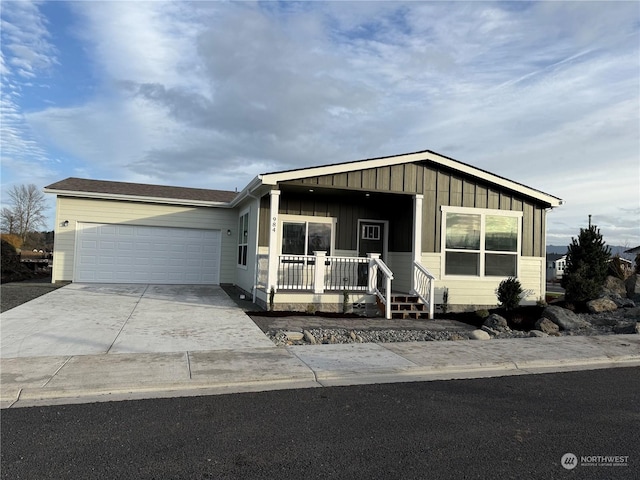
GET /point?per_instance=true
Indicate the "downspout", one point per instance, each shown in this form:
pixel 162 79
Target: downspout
pixel 254 288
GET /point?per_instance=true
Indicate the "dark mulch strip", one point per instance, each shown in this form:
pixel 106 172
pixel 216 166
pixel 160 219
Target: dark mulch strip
pixel 16 293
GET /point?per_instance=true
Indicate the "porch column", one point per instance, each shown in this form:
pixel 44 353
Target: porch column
pixel 318 276
pixel 417 235
pixel 272 275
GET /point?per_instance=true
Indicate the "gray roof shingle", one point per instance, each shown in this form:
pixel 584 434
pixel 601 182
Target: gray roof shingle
pixel 73 184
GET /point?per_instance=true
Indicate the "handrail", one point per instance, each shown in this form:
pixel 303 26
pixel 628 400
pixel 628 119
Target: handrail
pixel 423 286
pixel 376 265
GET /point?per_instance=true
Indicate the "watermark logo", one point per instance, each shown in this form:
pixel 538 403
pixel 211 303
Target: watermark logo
pixel 569 461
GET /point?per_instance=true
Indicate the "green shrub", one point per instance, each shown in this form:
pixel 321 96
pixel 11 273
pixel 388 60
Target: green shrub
pixel 445 300
pixel 482 313
pixel 345 301
pixel 509 293
pixel 587 264
pixel 272 295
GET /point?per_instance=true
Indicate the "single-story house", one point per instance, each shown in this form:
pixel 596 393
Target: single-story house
pixel 555 267
pixel 392 233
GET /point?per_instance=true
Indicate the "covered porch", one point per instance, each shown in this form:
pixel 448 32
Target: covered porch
pixel 327 249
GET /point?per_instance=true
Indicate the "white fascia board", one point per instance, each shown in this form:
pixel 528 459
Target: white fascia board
pixel 136 198
pixel 274 178
pixel 246 191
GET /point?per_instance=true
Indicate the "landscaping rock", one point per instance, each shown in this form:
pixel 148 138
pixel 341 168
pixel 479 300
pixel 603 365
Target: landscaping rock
pixel 633 287
pixel 537 333
pixel 632 313
pixel 565 319
pixel 309 337
pixel 614 286
pixel 627 328
pixel 621 302
pixel 496 322
pixel 600 305
pixel 294 336
pixel 547 326
pixel 479 335
pixel 490 331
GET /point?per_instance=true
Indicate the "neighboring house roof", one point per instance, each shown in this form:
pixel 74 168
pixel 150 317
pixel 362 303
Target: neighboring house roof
pixel 423 156
pixel 633 250
pixel 81 187
pixel 552 257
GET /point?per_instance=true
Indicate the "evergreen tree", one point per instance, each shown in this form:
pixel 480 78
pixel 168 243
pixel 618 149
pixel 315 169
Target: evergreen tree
pixel 587 264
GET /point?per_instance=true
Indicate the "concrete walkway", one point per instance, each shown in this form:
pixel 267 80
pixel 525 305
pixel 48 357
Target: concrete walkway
pixel 59 379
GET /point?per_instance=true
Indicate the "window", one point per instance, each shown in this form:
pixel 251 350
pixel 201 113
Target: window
pixel 481 242
pixel 306 237
pixel 243 238
pixel 371 232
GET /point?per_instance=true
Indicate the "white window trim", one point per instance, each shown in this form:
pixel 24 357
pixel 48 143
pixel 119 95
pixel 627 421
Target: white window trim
pixel 483 212
pixel 371 232
pixel 288 218
pixel 246 211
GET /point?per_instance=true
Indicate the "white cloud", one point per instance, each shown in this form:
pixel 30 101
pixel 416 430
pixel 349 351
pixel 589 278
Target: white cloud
pixel 210 94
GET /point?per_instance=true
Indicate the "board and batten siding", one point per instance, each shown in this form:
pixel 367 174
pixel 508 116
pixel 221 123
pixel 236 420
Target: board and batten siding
pixel 440 186
pixel 76 210
pixel 397 209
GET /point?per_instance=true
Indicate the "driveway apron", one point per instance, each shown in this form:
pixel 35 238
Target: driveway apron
pixel 88 319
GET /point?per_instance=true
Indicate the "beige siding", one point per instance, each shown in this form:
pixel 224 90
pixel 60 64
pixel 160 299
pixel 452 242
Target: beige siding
pixel 245 276
pixel 479 291
pixel 119 212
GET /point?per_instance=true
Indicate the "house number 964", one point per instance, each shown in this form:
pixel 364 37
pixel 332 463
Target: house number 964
pixel 274 224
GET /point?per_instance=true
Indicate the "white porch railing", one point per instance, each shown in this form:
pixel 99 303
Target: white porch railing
pixel 423 286
pixel 380 277
pixel 320 273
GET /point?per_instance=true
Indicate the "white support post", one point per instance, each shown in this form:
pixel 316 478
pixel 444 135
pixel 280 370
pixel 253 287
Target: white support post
pixel 387 295
pixel 417 235
pixel 274 260
pixel 373 272
pixel 318 276
pixel 431 299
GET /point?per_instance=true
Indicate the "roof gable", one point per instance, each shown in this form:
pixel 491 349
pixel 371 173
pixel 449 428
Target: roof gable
pixel 139 192
pixel 427 156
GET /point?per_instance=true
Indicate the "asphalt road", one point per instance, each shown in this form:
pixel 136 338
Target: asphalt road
pixel 509 427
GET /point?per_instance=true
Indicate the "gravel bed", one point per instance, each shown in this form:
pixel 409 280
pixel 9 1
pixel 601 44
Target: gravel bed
pixel 16 293
pixel 611 323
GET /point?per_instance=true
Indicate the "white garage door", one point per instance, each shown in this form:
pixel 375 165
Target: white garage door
pixel 137 254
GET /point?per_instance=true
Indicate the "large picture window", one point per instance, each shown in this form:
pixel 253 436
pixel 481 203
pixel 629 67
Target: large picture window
pixel 481 242
pixel 243 239
pixel 306 237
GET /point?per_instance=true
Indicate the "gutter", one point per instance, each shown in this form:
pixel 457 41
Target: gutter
pixel 141 199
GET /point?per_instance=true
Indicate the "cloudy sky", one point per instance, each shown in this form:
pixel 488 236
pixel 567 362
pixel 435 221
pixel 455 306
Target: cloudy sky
pixel 209 94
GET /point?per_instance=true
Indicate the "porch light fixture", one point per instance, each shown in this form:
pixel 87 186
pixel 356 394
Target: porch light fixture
pixel 65 223
pixel 229 232
pixel 311 190
pixel 367 194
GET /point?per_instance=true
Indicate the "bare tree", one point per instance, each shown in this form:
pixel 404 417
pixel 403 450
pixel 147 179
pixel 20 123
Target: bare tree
pixel 7 220
pixel 26 213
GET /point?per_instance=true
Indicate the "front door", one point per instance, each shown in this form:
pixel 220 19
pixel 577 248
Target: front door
pixel 371 235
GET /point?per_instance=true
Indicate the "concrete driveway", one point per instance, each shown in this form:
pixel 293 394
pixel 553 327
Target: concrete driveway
pixel 89 319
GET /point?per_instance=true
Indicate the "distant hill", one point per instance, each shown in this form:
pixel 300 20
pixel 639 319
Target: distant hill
pixel 615 249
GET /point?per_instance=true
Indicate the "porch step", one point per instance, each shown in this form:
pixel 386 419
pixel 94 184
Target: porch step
pixel 408 306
